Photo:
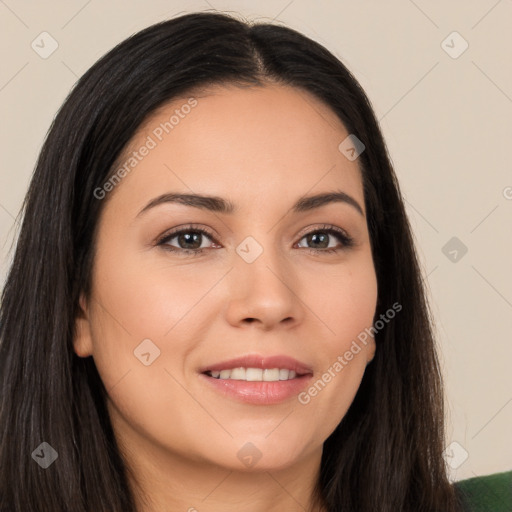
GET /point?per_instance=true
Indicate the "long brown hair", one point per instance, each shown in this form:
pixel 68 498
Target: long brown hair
pixel 385 455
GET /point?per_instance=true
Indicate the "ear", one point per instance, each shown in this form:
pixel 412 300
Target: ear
pixel 82 341
pixel 370 351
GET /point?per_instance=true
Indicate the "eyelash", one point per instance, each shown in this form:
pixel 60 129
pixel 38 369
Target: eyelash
pixel 342 236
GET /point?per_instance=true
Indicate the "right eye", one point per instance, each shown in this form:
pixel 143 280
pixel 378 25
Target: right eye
pixel 188 239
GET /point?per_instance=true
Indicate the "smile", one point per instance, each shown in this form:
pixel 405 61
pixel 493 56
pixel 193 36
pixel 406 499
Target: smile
pixel 254 374
pixel 257 379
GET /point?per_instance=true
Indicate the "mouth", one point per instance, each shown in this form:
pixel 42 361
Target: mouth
pixel 258 380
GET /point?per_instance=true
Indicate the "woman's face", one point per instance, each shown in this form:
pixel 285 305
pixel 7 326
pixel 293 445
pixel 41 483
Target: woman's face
pixel 268 282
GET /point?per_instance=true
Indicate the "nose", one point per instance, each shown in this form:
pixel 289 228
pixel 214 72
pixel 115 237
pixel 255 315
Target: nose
pixel 265 293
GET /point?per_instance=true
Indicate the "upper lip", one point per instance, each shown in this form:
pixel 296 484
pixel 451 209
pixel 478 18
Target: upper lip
pixel 259 361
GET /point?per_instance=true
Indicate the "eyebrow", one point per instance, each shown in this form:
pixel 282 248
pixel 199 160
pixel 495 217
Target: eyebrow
pixel 219 205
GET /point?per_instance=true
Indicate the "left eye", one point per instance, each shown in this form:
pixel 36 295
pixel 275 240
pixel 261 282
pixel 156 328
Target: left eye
pixel 321 236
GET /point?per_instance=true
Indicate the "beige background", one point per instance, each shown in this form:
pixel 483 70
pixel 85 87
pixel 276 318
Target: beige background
pixel 447 122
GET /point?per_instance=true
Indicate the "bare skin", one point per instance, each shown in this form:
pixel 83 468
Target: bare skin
pixel 261 148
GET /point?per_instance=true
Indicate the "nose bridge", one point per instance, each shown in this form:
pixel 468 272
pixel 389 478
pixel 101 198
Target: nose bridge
pixel 261 260
pixel 263 283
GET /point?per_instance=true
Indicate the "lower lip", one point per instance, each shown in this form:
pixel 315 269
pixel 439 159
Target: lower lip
pixel 259 392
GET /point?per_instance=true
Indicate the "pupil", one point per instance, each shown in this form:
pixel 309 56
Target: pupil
pixel 187 238
pixel 316 236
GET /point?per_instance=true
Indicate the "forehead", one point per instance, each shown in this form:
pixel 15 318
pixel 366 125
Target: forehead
pixel 255 141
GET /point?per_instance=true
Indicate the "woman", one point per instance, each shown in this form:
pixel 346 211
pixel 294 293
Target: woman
pixel 215 302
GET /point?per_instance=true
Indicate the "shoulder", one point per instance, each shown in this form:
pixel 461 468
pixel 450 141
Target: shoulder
pixel 490 493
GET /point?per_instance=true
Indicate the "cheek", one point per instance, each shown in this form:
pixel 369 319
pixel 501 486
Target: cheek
pixel 139 299
pixel 148 298
pixel 346 301
pixel 346 308
pixel 148 314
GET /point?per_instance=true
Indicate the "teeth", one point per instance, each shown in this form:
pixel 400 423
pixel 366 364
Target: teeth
pixel 271 375
pixel 254 374
pixel 251 374
pixel 239 374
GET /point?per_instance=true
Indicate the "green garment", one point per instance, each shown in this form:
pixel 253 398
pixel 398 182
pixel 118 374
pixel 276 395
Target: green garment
pixel 490 493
